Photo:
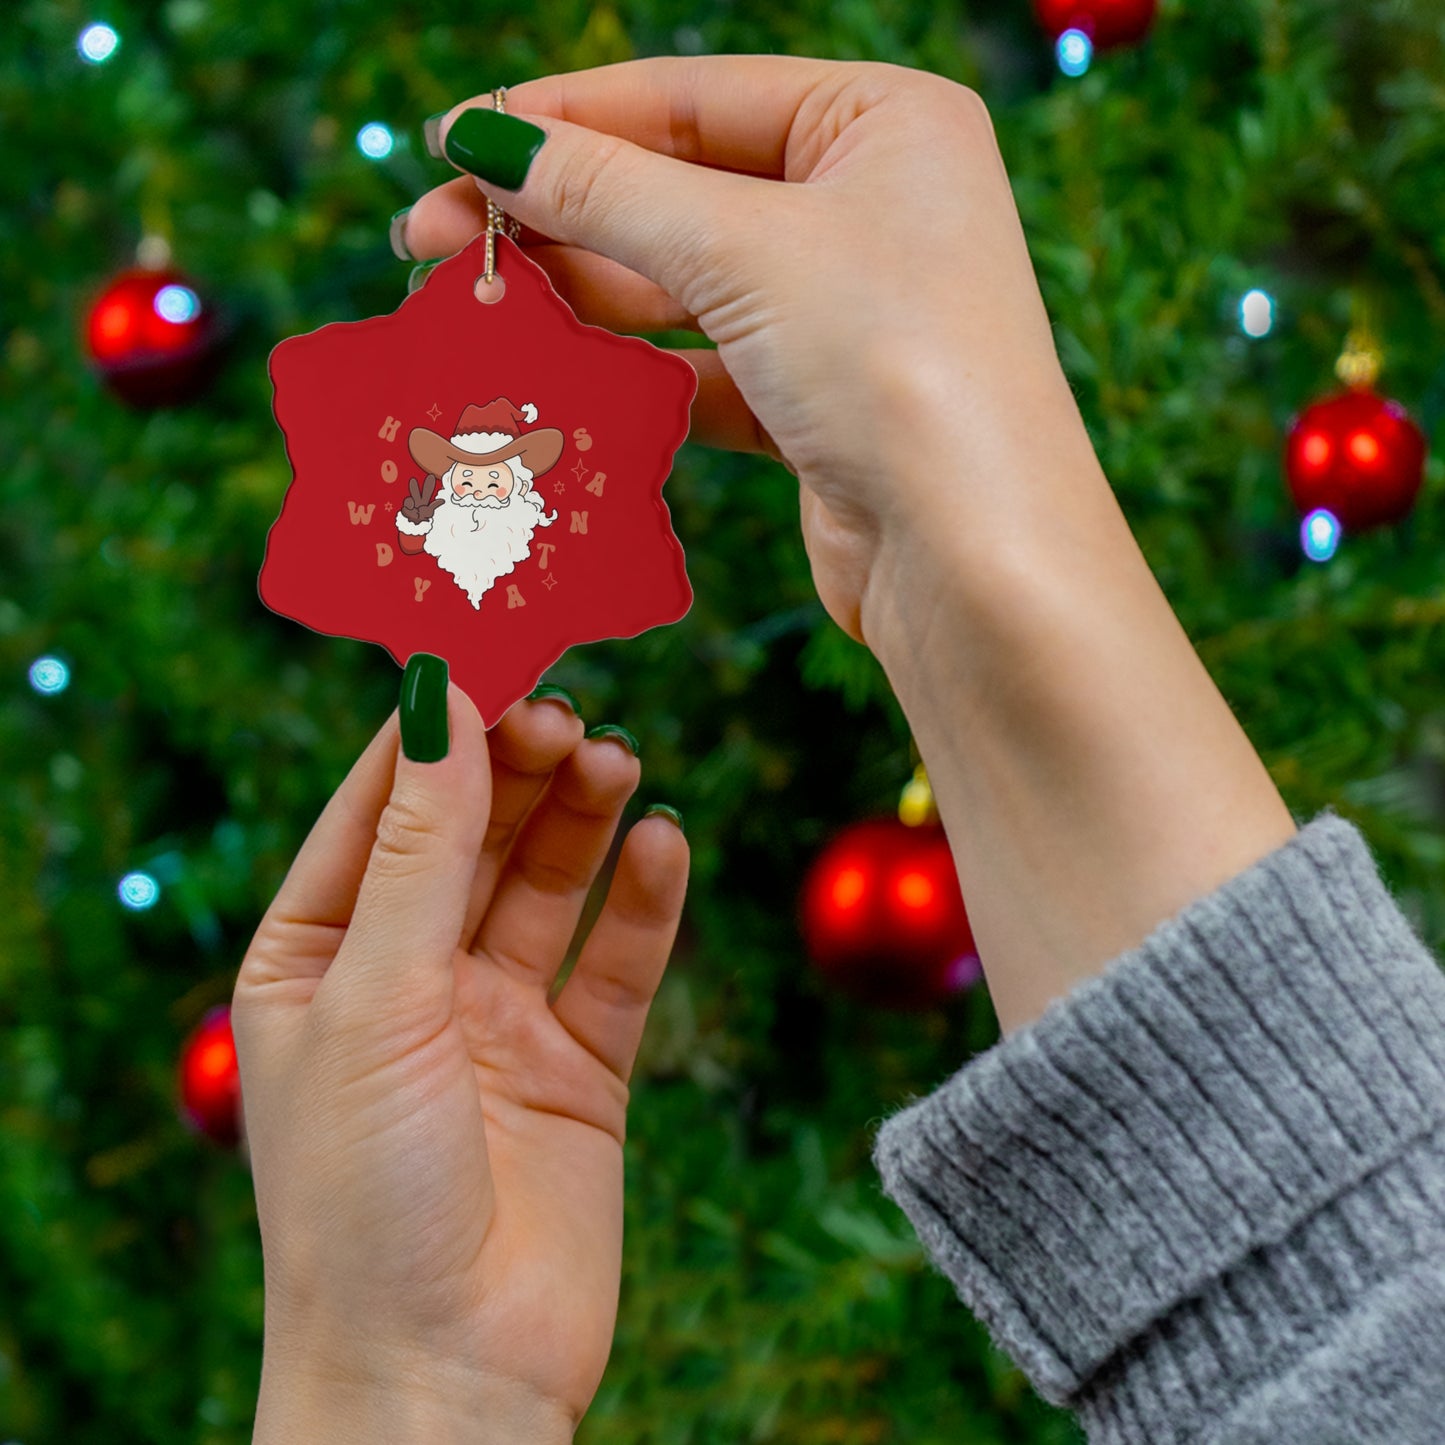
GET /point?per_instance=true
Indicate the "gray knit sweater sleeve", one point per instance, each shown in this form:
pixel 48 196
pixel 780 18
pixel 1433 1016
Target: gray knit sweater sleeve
pixel 1202 1199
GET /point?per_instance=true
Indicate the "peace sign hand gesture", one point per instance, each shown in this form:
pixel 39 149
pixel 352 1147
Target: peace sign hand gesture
pixel 419 505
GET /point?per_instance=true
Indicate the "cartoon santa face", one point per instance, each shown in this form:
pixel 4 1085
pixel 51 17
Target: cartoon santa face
pixel 478 520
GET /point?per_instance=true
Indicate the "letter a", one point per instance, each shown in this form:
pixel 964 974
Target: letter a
pixel 514 597
pixel 595 485
pixel 383 555
pixel 579 522
pixel 361 516
pixel 388 429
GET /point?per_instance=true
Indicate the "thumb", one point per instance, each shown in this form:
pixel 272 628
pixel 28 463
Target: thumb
pixel 663 218
pixel 395 964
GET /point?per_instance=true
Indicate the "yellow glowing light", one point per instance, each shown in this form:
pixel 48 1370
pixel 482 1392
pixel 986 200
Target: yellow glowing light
pixel 1316 449
pixel 915 890
pixel 1364 448
pixel 849 887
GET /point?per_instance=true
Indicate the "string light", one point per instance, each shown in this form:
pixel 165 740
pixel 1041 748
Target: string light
pixel 1075 52
pixel 49 675
pixel 375 141
pixel 1256 313
pixel 138 891
pixel 97 43
pixel 177 304
pixel 1320 535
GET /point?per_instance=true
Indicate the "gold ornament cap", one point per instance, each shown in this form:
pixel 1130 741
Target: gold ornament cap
pixel 915 804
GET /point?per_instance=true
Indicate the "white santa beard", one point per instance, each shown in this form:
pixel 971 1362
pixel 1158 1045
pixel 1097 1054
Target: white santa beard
pixel 479 544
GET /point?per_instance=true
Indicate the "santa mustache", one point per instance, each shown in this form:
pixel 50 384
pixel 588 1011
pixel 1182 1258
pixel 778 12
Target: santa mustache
pixel 477 499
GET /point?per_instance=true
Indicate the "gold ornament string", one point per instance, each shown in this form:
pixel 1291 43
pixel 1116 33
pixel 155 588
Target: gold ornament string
pixel 497 218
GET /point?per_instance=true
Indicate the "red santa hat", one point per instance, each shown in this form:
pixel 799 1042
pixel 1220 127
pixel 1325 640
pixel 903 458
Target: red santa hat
pixel 491 433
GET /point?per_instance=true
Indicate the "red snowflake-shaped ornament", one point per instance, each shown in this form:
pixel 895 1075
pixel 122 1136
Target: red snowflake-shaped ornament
pixel 426 447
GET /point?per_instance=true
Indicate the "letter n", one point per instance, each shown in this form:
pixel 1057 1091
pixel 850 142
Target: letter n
pixel 579 522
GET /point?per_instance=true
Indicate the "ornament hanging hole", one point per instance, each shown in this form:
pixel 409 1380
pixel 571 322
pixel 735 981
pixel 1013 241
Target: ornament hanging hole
pixel 489 292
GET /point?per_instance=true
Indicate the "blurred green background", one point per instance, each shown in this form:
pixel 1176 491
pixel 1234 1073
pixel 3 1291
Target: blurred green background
pixel 770 1293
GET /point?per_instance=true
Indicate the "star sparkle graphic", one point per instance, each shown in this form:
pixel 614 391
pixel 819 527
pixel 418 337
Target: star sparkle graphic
pixel 435 411
pixel 549 582
pixel 579 471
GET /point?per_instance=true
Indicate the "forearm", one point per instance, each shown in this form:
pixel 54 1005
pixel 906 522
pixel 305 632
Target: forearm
pixel 1091 778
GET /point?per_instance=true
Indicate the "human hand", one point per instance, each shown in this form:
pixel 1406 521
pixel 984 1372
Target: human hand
pixel 878 324
pixel 436 1149
pixel 418 505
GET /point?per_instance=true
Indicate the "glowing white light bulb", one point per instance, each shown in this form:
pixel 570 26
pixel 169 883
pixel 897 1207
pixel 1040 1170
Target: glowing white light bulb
pixel 97 43
pixel 49 675
pixel 1320 535
pixel 1074 51
pixel 1256 313
pixel 375 140
pixel 177 304
pixel 138 891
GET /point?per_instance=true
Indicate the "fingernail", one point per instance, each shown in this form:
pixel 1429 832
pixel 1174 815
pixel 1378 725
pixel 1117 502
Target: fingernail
pixel 431 133
pixel 424 736
pixel 397 235
pixel 612 730
pixel 416 279
pixel 663 810
pixel 550 689
pixel 498 148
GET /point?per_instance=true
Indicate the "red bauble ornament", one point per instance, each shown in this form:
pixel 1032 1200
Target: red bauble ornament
pixel 883 916
pixel 1359 456
pixel 152 338
pixel 1107 23
pixel 210 1081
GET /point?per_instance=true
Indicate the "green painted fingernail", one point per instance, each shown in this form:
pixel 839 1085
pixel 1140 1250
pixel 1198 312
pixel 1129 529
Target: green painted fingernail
pixel 498 148
pixel 431 133
pixel 417 277
pixel 397 234
pixel 612 730
pixel 424 737
pixel 667 812
pixel 550 689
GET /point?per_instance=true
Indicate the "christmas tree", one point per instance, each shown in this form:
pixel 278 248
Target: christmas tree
pixel 1212 209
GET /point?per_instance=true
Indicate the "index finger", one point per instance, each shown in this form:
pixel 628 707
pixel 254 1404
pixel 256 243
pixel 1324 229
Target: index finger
pixel 735 112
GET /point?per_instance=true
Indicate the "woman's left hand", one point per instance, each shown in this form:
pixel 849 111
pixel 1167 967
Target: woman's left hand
pixel 437 1149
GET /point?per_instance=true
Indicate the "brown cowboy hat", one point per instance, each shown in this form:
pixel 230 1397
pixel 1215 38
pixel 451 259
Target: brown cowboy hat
pixel 538 449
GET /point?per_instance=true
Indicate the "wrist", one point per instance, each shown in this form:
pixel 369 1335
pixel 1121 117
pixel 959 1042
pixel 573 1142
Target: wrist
pixel 1092 779
pixel 321 1403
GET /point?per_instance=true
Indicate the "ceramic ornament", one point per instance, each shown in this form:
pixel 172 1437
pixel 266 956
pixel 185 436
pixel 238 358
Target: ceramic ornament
pixel 482 481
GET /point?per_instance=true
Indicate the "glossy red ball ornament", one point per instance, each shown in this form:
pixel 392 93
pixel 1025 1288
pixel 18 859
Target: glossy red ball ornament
pixel 210 1081
pixel 1107 23
pixel 883 917
pixel 1359 456
pixel 152 337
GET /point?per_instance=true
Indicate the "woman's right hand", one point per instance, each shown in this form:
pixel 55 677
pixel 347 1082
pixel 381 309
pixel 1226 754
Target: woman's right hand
pixel 878 324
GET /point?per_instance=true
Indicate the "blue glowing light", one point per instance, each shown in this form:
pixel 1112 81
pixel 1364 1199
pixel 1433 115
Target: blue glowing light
pixel 138 891
pixel 177 304
pixel 49 675
pixel 1256 313
pixel 375 140
pixel 97 43
pixel 1075 51
pixel 1320 535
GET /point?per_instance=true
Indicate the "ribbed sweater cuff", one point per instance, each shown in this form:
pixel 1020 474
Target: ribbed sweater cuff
pixel 1173 1145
